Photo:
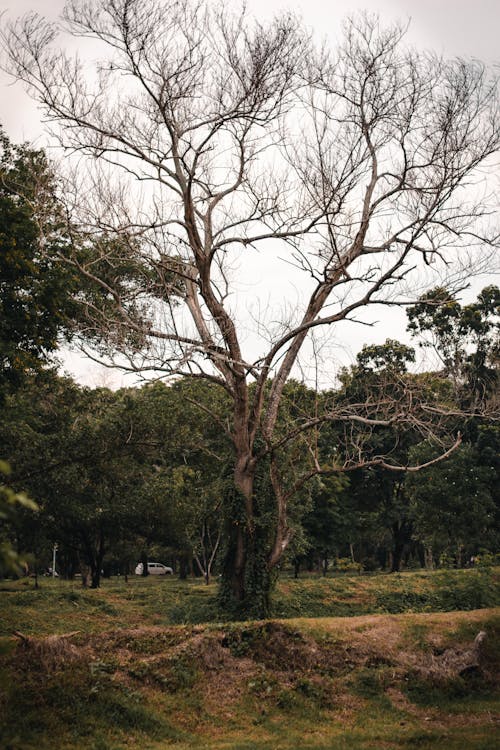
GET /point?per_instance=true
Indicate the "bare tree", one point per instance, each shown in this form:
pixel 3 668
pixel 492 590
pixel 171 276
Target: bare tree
pixel 364 164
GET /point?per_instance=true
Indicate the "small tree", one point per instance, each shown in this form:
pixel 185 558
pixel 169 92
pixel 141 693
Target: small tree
pixel 71 452
pixel 242 137
pixel 466 340
pixel 10 504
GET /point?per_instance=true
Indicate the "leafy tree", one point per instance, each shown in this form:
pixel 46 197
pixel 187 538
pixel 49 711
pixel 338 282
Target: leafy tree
pixel 329 524
pixel 35 291
pixel 378 492
pixel 88 502
pixel 180 430
pixel 466 338
pixel 392 356
pixel 486 443
pixel 69 445
pixel 10 503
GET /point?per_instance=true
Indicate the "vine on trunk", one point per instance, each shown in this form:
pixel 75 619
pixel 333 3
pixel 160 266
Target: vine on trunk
pixel 245 590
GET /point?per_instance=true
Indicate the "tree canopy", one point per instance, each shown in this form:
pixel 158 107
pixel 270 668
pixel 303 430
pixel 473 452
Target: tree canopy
pixel 35 290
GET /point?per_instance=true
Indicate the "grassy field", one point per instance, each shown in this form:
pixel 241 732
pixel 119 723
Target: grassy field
pixel 58 605
pixel 349 662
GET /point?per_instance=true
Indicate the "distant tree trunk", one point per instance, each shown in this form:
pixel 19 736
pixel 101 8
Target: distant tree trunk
pixel 401 534
pixel 93 558
pixel 85 573
pixel 397 557
pixel 183 566
pixel 324 568
pixel 144 563
pixel 96 564
pixel 421 555
pixel 95 578
pixel 208 552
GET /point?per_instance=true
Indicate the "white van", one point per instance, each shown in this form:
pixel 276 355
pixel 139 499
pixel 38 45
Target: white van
pixel 155 569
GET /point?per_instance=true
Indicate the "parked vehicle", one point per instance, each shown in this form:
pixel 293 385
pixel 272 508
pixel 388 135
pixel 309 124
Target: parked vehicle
pixel 155 569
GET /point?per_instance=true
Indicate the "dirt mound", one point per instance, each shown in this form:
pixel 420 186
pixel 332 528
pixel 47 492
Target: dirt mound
pixel 427 675
pixel 49 653
pixel 177 656
pixel 274 645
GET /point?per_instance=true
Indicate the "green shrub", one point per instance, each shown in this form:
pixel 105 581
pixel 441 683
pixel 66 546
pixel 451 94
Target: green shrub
pixel 470 590
pixel 346 565
pixel 446 591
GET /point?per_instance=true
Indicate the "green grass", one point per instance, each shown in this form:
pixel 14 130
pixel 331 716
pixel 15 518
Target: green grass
pixel 63 605
pixel 141 673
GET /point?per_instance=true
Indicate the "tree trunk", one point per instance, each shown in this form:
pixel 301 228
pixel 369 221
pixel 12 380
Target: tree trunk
pixel 144 562
pixel 96 568
pixel 183 566
pixel 94 554
pixel 95 577
pixel 233 573
pixel 397 557
pixel 84 570
pixel 247 577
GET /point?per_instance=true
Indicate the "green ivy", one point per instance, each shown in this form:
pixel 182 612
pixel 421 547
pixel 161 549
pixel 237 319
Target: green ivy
pixel 259 580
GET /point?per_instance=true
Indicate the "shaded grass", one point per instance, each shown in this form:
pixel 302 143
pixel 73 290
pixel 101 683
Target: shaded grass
pixel 75 705
pixel 448 591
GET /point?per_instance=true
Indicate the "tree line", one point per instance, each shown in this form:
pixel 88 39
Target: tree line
pixel 145 473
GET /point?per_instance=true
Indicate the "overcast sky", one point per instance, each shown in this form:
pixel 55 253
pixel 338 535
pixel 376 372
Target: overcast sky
pixel 449 27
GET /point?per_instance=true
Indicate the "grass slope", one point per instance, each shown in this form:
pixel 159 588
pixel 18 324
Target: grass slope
pixel 129 679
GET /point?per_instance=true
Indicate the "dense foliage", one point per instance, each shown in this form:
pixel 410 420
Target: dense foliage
pixel 35 292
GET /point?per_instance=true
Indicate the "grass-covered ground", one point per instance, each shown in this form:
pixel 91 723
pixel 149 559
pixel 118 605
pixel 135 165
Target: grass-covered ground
pixel 141 674
pixel 61 605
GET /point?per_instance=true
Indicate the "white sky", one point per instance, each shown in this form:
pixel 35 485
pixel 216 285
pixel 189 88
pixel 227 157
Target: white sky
pixel 450 27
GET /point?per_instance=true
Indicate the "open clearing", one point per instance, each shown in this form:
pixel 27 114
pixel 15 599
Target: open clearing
pixel 129 679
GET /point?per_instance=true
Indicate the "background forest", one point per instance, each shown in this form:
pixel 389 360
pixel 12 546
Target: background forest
pixel 141 473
